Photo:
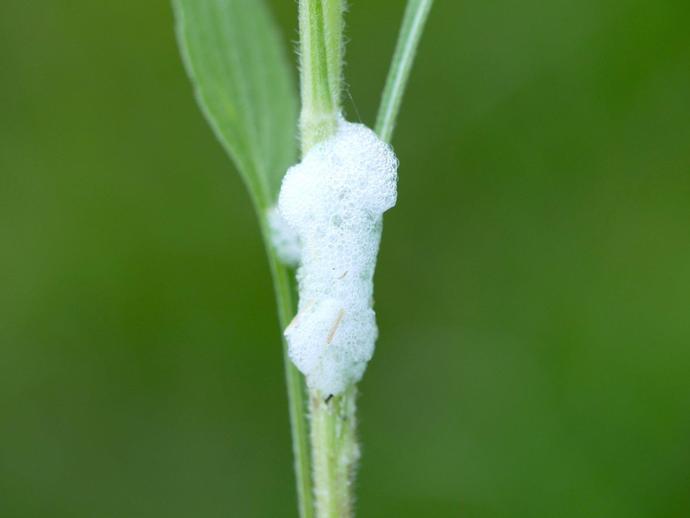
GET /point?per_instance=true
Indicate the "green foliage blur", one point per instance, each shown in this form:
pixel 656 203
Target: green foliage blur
pixel 533 289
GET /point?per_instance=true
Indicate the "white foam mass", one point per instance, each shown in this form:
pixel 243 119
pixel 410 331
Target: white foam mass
pixel 334 200
pixel 284 239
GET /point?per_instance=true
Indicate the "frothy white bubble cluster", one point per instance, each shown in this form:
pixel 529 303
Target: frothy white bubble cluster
pixel 334 201
pixel 283 238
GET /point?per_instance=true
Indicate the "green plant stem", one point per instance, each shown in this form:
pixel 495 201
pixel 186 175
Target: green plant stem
pixel 334 452
pixel 332 419
pixel 321 56
pixel 296 392
pixel 411 30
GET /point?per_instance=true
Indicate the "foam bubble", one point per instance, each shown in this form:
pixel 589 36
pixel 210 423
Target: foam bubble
pixel 284 239
pixel 334 201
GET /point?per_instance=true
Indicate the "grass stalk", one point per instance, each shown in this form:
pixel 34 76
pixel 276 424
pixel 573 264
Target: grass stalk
pixel 332 419
pixel 296 390
pixel 334 449
pixel 321 58
pixel 335 452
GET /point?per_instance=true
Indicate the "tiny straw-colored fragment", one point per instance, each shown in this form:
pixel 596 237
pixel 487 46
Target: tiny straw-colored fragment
pixel 340 316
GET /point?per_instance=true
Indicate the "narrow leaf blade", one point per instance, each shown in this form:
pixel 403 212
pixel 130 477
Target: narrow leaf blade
pixel 411 30
pixel 243 83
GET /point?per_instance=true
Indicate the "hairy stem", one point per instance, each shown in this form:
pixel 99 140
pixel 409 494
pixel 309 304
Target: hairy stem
pixel 321 57
pixel 333 441
pixel 333 422
pixel 335 452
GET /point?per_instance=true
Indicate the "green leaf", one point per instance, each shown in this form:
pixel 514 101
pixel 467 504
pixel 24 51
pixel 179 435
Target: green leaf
pixel 411 30
pixel 234 55
pixel 244 85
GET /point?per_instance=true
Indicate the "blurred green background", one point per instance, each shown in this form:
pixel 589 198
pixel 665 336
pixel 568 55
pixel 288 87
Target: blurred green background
pixel 533 289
